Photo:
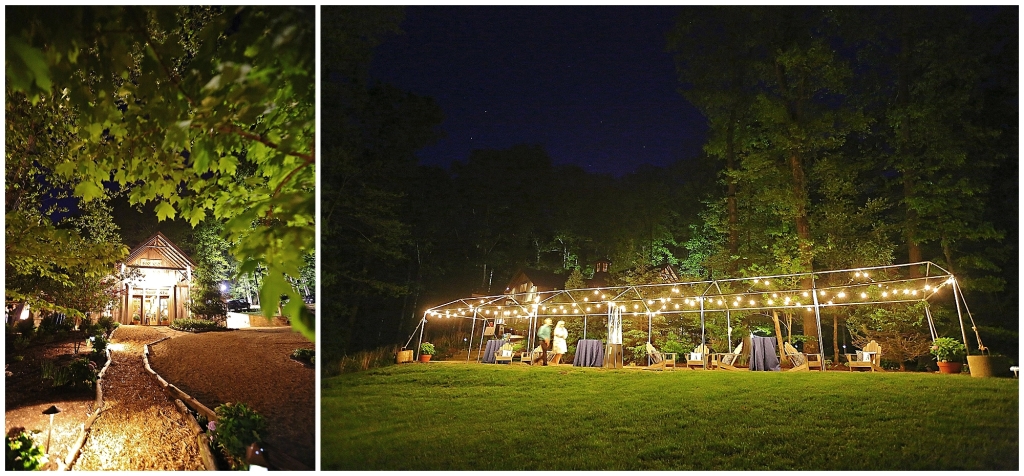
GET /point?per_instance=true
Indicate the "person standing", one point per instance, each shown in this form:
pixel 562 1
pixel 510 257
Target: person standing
pixel 544 334
pixel 558 343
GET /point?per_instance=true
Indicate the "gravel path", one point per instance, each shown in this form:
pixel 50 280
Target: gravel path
pixel 252 367
pixel 140 428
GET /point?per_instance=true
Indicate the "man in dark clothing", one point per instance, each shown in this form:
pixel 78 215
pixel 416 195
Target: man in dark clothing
pixel 544 334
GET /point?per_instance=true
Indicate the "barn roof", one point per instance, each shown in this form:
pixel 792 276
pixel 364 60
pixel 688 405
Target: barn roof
pixel 164 248
pixel 541 279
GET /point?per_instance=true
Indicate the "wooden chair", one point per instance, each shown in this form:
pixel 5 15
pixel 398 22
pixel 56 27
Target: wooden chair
pixel 802 361
pixel 728 360
pixel 700 357
pixel 868 358
pixel 503 354
pixel 659 360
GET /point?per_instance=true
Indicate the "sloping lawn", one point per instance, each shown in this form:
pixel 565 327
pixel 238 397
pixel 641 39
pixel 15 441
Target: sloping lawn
pixel 480 417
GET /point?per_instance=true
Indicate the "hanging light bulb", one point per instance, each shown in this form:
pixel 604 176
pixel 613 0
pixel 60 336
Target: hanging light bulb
pixel 863 295
pixel 841 295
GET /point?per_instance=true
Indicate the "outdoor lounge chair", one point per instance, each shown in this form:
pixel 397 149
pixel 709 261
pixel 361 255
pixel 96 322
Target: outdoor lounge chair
pixel 503 354
pixel 802 361
pixel 728 361
pixel 700 357
pixel 659 360
pixel 869 358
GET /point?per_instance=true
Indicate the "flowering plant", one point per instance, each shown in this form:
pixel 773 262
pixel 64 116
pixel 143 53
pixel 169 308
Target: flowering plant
pixel 948 349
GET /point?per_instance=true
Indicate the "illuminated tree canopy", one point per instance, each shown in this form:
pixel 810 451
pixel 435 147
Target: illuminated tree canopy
pixel 205 111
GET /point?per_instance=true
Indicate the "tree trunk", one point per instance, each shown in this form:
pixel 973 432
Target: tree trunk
pixel 778 333
pixel 803 231
pixel 835 337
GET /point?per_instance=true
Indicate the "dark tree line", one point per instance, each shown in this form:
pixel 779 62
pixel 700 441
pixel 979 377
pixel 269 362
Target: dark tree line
pixel 838 138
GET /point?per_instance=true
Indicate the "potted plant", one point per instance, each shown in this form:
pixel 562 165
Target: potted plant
pixel 426 350
pixel 136 319
pixel 949 353
pixel 989 364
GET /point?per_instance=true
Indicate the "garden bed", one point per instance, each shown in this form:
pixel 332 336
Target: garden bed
pixel 251 366
pixel 26 394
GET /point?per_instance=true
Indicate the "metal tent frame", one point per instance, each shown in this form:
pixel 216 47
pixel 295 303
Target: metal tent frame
pixel 874 285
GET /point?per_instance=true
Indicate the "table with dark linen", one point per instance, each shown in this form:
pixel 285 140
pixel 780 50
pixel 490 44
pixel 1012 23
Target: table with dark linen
pixel 589 353
pixel 491 347
pixel 762 354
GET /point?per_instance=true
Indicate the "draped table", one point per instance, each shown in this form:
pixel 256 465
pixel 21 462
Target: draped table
pixel 762 354
pixel 589 353
pixel 492 346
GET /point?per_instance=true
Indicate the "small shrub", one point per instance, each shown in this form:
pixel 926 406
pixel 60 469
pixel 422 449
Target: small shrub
pixel 107 323
pixel 304 355
pixel 236 428
pixel 99 345
pixel 22 453
pixel 55 323
pixel 25 327
pixel 364 360
pixel 189 324
pixel 80 372
pixel 21 342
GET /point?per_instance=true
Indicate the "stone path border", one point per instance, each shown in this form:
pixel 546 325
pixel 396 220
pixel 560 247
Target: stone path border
pixel 204 445
pixel 183 399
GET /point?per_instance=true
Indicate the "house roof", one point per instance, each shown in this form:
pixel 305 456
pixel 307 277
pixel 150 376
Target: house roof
pixel 163 247
pixel 541 279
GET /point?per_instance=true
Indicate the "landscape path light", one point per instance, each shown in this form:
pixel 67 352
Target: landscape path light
pixel 53 410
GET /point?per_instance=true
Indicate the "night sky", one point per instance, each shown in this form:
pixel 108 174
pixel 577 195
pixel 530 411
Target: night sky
pixel 592 85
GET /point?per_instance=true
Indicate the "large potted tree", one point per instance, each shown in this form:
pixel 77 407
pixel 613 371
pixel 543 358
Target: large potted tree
pixel 949 353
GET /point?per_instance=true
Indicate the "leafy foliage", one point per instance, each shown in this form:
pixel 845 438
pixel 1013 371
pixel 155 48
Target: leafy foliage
pixel 78 373
pixel 237 427
pixel 189 324
pixel 305 355
pixel 948 349
pixel 22 453
pixel 171 102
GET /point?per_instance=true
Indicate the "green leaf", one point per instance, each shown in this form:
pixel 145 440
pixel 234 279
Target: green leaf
pixel 164 211
pixel 88 190
pixel 274 285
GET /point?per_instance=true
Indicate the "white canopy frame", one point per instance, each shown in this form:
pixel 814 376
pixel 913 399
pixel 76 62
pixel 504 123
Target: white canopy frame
pixel 873 285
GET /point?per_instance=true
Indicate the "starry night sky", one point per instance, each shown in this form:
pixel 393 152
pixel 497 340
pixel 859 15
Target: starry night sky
pixel 592 85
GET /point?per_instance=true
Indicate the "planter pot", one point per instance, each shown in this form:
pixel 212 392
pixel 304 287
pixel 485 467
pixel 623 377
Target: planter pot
pixel 950 367
pixel 425 358
pixel 988 366
pixel 403 356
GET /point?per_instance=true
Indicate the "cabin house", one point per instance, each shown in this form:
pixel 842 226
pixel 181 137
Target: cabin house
pixel 526 283
pixel 158 293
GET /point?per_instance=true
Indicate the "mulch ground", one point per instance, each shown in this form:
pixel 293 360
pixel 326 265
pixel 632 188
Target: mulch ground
pixel 140 428
pixel 26 395
pixel 251 366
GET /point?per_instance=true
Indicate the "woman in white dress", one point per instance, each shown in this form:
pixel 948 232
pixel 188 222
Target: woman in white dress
pixel 558 343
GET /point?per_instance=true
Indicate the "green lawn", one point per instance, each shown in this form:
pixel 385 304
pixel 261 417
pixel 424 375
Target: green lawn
pixel 477 417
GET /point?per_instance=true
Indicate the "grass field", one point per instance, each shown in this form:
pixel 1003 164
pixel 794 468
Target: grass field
pixel 482 417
